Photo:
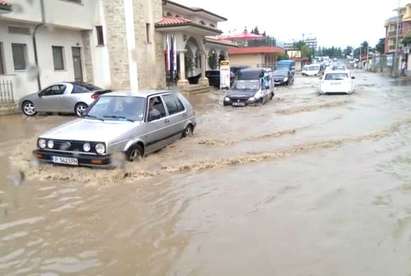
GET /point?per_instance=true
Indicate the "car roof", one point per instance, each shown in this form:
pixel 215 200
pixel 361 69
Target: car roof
pixel 338 72
pixel 141 93
pixel 252 70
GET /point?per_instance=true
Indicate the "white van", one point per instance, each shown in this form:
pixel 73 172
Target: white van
pixel 311 70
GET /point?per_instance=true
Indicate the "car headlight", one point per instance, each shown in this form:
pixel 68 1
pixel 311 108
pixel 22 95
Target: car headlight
pixel 227 99
pixel 86 147
pixel 42 143
pixel 285 79
pixel 100 148
pixel 252 99
pixel 50 144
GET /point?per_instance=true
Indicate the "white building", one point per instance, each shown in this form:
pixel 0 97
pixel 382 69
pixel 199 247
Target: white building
pixel 117 44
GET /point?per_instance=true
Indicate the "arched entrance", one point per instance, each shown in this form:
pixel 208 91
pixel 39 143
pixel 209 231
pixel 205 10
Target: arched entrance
pixel 192 60
pixel 212 59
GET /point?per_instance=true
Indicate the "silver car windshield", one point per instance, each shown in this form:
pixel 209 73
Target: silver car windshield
pixel 247 85
pixel 127 108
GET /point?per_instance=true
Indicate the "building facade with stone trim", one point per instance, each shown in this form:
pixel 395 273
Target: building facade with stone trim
pixel 115 44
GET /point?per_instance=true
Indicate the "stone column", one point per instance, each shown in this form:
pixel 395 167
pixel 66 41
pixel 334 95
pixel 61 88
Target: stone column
pixel 182 70
pixel 204 79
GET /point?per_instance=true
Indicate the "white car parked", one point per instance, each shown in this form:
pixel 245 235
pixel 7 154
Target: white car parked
pixel 337 82
pixel 311 70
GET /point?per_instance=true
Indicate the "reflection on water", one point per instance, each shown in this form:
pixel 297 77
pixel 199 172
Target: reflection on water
pixel 304 185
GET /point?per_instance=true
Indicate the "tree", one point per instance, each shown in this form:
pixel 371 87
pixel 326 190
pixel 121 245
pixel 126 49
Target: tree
pixel 255 31
pixel 380 47
pixel 306 51
pixel 407 40
pixel 364 46
pixel 348 51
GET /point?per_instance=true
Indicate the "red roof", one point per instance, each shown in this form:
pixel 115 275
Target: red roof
pixel 172 21
pixel 255 50
pixel 4 3
pixel 242 36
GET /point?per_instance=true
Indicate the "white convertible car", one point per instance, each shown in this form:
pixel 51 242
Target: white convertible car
pixel 337 82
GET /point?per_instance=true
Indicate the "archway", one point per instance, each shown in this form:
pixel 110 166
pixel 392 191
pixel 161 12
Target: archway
pixel 192 60
pixel 212 59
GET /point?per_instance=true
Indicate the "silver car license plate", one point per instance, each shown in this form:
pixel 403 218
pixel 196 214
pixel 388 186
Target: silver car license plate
pixel 238 104
pixel 64 160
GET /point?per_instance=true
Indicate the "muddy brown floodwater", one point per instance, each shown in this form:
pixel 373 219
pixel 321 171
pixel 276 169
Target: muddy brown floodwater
pixel 305 185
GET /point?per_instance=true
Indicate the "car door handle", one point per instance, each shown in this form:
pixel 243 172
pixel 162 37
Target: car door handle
pixel 166 121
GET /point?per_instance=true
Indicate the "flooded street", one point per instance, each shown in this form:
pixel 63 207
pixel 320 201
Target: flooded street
pixel 304 185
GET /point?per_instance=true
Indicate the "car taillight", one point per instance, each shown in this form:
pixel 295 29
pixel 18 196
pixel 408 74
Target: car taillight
pixel 95 96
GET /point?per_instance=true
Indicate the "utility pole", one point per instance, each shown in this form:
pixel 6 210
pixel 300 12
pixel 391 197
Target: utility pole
pixel 395 63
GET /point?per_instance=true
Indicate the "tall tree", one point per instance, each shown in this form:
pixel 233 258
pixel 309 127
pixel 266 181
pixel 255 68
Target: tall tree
pixel 364 46
pixel 380 47
pixel 348 51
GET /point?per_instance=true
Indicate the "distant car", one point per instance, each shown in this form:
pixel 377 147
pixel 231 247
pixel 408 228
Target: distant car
pixel 287 64
pixel 64 97
pixel 252 86
pixel 213 77
pixel 283 77
pixel 311 70
pixel 337 82
pixel 132 124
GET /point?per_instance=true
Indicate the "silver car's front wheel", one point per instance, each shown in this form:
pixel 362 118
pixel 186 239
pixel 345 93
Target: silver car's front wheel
pixel 80 108
pixel 28 108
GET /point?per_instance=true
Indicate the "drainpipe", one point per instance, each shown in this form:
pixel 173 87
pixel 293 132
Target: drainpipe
pixel 36 27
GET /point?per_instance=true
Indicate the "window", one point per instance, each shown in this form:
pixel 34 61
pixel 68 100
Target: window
pixel 100 35
pixel 148 39
pixel 2 65
pixel 19 55
pixel 173 103
pixel 54 90
pixel 156 109
pixel 58 57
pixel 84 88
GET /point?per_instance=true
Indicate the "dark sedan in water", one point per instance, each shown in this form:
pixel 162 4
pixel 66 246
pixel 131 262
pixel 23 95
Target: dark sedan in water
pixel 253 86
pixel 283 77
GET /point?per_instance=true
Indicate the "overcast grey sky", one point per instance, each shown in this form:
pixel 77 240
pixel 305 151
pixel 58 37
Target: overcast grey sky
pixel 334 22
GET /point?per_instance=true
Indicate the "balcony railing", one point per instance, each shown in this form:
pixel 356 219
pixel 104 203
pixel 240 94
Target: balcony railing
pixel 7 92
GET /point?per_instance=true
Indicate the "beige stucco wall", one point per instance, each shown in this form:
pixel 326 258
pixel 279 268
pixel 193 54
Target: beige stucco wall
pixel 117 44
pixel 150 56
pixel 249 60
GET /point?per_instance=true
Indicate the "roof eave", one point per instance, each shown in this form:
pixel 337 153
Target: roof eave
pixel 189 24
pixel 221 18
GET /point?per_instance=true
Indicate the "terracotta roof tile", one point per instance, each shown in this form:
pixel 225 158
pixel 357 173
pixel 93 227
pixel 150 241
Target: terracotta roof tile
pixel 167 21
pixel 4 3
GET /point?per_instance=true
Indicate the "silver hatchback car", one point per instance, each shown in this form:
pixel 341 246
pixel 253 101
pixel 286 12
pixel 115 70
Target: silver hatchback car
pixel 64 97
pixel 135 124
